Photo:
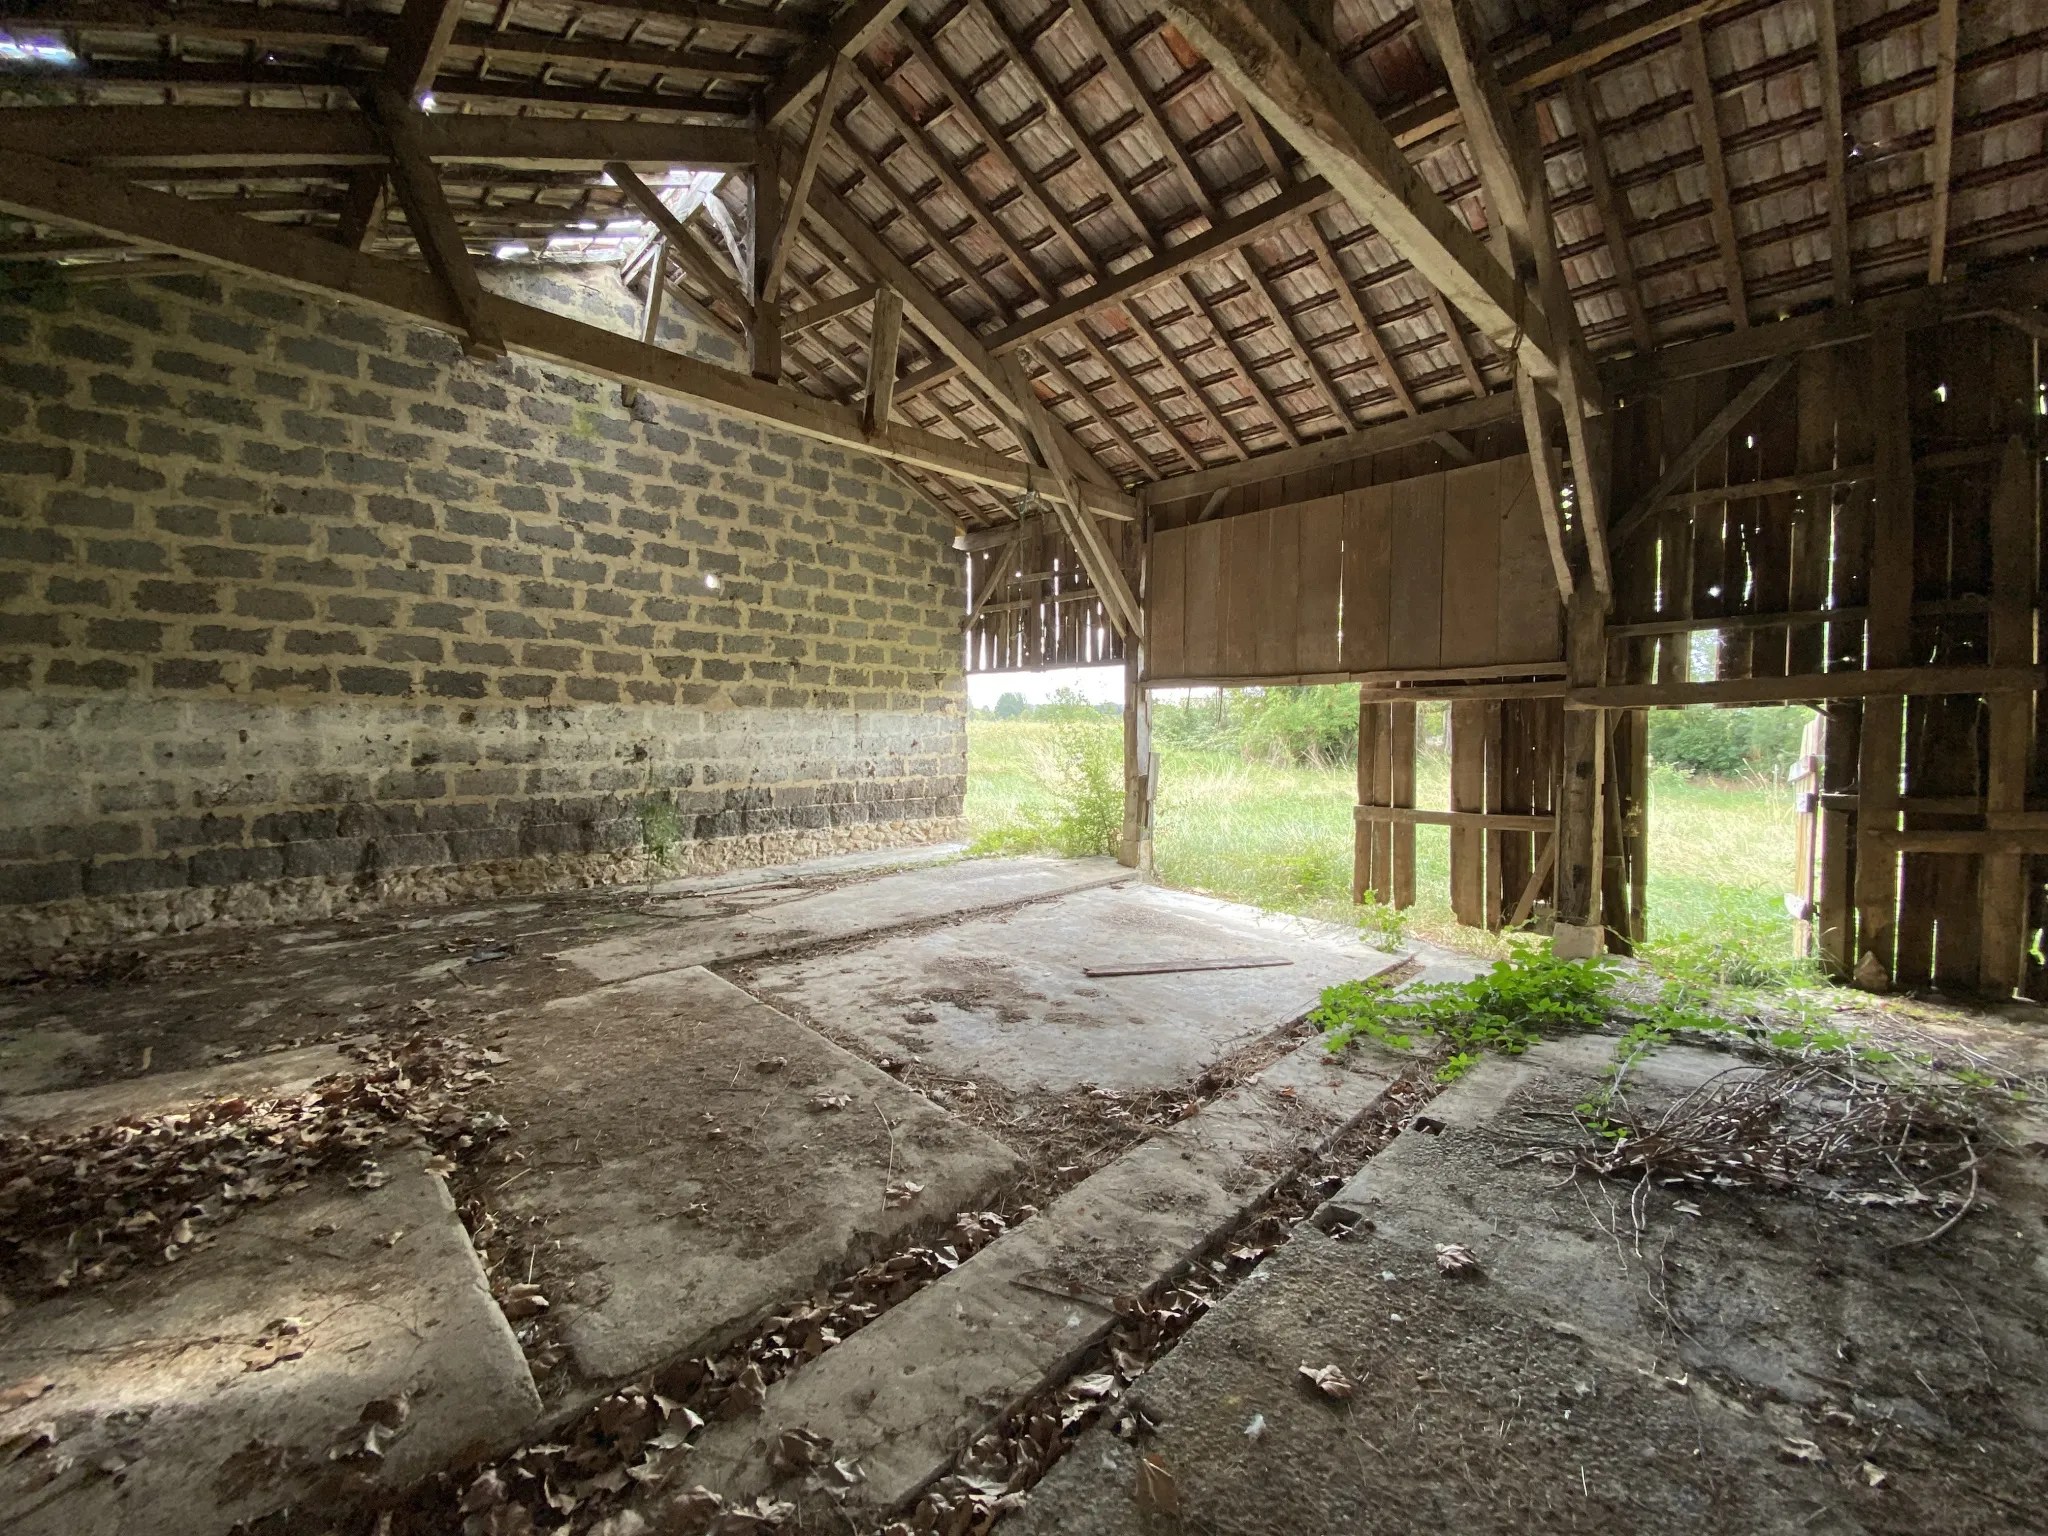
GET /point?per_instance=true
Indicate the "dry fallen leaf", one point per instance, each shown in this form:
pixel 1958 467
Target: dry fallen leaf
pixel 523 1301
pixel 1157 1491
pixel 24 1392
pixel 1873 1475
pixel 771 1064
pixel 1328 1380
pixel 831 1101
pixel 1805 1451
pixel 1456 1262
pixel 903 1192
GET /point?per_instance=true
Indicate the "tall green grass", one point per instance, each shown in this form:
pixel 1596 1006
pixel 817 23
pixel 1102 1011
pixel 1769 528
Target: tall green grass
pixel 1279 837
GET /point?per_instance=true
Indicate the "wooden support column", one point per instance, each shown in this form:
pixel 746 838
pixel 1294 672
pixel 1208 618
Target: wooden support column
pixel 362 206
pixel 2003 899
pixel 764 235
pixel 882 339
pixel 1578 935
pixel 1367 835
pixel 1468 793
pixel 1141 763
pixel 1891 614
pixel 650 310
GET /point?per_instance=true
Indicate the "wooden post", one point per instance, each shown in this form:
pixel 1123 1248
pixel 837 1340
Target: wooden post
pixel 1891 613
pixel 650 311
pixel 2003 899
pixel 1400 750
pixel 882 339
pixel 764 227
pixel 1578 935
pixel 1141 763
pixel 1367 835
pixel 1468 793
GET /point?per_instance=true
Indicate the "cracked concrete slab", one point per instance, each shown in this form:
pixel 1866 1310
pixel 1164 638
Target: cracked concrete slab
pixel 673 1148
pixel 1002 998
pixel 166 1417
pixel 905 1393
pixel 810 918
pixel 1652 1360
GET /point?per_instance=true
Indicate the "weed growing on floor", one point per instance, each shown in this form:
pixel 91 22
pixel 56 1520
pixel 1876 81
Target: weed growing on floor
pixel 1506 1011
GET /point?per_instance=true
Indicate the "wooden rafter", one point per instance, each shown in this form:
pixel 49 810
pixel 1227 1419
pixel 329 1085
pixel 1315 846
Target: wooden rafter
pixel 1610 207
pixel 682 245
pixel 431 223
pixel 1941 156
pixel 249 138
pixel 1828 62
pixel 1721 211
pixel 805 172
pixel 851 32
pixel 1271 59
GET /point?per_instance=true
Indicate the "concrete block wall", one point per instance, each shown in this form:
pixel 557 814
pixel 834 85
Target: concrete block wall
pixel 301 610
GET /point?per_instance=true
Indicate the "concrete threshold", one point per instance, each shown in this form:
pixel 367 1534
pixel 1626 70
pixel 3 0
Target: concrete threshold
pixel 904 1395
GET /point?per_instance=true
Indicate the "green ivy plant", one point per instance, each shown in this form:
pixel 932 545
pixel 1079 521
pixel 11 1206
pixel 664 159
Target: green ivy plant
pixel 1506 1011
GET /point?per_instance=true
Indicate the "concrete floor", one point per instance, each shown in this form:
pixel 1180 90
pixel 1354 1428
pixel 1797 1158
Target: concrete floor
pixel 1003 998
pixel 667 1159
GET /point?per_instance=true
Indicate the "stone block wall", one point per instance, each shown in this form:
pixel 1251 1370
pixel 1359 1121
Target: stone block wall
pixel 300 609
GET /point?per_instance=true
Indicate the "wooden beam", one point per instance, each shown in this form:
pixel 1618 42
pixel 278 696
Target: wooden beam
pixel 1454 338
pixel 1941 156
pixel 1707 124
pixel 2010 737
pixel 1704 441
pixel 682 245
pixel 1271 59
pixel 1129 91
pixel 892 271
pixel 362 208
pixel 1613 222
pixel 1383 437
pixel 1548 476
pixel 1877 682
pixel 1488 821
pixel 1292 205
pixel 1580 53
pixel 1828 63
pixel 827 309
pixel 850 33
pixel 763 233
pixel 247 138
pixel 432 223
pixel 1488 119
pixel 806 173
pixel 417 43
pixel 44 190
pixel 650 311
pixel 888 322
pixel 2016 288
pixel 1104 573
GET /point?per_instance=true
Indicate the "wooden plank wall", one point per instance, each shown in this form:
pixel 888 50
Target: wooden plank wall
pixel 1047 613
pixel 1446 571
pixel 1927 545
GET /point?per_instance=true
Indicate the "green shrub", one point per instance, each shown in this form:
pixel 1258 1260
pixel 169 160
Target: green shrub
pixel 1088 764
pixel 1702 739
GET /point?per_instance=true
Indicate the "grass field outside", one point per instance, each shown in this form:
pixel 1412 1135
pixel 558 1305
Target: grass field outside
pixel 1279 837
